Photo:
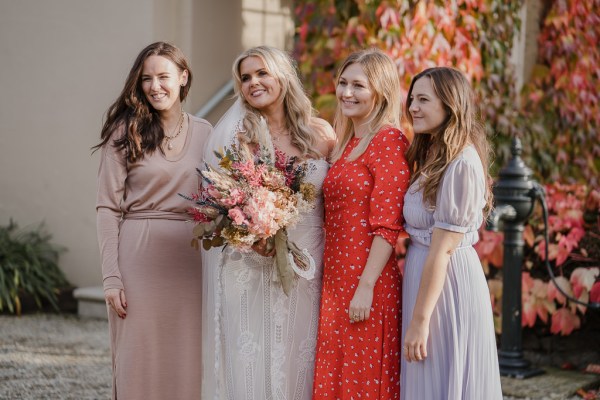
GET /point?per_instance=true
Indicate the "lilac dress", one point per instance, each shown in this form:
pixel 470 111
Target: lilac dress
pixel 462 360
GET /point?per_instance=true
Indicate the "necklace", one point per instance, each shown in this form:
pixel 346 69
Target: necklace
pixel 170 138
pixel 276 135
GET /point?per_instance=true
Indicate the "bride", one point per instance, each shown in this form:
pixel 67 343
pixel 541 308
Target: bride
pixel 258 342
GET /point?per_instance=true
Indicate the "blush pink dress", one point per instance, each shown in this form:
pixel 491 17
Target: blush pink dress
pixel 145 245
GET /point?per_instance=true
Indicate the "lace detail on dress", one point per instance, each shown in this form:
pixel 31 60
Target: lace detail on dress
pixel 266 340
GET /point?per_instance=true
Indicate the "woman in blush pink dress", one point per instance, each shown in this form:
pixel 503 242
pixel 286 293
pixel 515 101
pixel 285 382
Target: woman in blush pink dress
pixel 150 149
pixel 358 350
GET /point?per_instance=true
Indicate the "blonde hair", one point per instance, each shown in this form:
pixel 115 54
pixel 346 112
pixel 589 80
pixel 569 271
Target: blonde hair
pixel 296 104
pixel 382 75
pixel 430 154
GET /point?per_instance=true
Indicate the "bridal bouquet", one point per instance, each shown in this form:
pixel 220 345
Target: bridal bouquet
pixel 254 196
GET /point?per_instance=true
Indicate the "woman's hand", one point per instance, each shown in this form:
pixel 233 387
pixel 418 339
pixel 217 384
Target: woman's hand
pixel 115 298
pixel 360 305
pixel 264 248
pixel 415 341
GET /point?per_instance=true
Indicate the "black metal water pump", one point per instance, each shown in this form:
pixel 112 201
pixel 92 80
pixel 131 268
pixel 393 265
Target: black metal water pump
pixel 515 193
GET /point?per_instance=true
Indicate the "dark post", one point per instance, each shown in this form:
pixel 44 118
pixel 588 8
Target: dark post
pixel 514 204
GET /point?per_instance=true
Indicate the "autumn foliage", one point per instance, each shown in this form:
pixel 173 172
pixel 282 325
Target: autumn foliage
pixel 574 255
pixel 556 114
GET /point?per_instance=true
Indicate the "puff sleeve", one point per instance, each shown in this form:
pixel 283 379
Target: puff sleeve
pixel 112 174
pixel 461 197
pixel 389 169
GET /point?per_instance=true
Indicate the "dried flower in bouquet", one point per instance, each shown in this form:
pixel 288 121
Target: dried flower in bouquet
pixel 255 195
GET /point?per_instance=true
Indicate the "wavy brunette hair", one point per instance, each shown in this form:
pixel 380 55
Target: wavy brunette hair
pixel 430 154
pixel 296 104
pixel 384 81
pixel 132 111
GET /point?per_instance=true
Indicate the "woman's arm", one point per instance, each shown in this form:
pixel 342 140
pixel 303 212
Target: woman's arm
pixel 360 305
pixel 112 174
pixel 443 243
pixel 387 165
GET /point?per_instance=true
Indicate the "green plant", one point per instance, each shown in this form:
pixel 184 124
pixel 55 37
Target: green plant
pixel 28 266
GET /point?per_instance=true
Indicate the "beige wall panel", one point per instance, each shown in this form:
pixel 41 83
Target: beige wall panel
pixel 267 22
pixel 63 62
pixel 216 31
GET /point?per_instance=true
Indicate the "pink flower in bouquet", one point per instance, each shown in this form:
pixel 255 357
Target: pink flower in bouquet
pixel 237 215
pixel 251 172
pixel 236 197
pixel 213 192
pixel 263 213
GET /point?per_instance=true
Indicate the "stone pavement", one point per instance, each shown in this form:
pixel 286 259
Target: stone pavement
pixel 55 357
pixel 49 356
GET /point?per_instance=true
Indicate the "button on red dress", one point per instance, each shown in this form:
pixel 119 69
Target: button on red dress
pixel 363 198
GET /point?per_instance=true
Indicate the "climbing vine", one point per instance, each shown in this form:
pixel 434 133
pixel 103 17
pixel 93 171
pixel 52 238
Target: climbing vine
pixel 474 36
pixel 556 114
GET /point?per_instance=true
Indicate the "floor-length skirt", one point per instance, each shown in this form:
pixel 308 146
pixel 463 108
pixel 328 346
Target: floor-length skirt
pixel 266 340
pixel 462 361
pixel 157 347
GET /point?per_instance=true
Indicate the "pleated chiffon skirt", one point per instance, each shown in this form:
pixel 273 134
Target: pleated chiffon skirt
pixel 462 361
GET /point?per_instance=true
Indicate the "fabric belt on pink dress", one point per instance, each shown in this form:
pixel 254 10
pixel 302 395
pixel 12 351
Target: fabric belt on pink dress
pixel 151 214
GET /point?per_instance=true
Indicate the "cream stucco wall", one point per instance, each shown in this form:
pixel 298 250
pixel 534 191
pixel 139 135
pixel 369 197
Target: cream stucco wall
pixel 62 63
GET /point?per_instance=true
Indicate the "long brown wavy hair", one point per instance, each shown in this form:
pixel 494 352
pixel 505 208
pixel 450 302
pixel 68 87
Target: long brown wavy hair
pixel 297 107
pixel 430 154
pixel 132 111
pixel 384 81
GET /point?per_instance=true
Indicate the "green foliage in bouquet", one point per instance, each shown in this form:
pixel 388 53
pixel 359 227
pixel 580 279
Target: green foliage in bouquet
pixel 28 266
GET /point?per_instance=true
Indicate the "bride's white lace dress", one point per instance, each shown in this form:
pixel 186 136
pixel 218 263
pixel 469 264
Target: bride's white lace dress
pixel 264 340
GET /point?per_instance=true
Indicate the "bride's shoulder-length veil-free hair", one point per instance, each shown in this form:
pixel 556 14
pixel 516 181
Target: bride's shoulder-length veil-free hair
pixel 224 134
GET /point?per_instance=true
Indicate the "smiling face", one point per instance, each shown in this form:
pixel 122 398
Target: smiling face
pixel 355 95
pixel 260 89
pixel 161 83
pixel 426 109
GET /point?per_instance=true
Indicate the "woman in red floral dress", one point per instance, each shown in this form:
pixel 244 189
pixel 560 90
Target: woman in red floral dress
pixel 358 344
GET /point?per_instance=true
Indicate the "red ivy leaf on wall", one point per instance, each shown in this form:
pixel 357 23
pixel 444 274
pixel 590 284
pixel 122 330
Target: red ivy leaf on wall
pixel 595 293
pixel 564 322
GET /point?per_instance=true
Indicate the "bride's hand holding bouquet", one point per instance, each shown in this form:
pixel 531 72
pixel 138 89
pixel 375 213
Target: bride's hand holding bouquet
pixel 250 201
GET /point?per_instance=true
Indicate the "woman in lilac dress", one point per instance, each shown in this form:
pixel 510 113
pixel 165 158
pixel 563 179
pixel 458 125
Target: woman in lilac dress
pixel 449 347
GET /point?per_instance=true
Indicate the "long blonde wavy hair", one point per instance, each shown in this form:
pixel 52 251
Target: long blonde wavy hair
pixel 297 107
pixel 382 75
pixel 430 154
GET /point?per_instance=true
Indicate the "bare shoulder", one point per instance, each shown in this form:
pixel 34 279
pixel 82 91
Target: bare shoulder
pixel 325 135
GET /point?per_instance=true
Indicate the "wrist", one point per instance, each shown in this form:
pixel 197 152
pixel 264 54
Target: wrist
pixel 366 283
pixel 420 319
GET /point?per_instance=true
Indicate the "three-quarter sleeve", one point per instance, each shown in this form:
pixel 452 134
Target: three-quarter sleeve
pixel 112 174
pixel 460 198
pixel 387 164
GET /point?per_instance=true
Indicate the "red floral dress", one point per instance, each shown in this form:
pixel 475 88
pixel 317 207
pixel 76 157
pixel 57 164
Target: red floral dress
pixel 363 198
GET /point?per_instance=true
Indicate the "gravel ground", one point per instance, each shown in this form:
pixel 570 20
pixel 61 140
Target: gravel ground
pixel 50 356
